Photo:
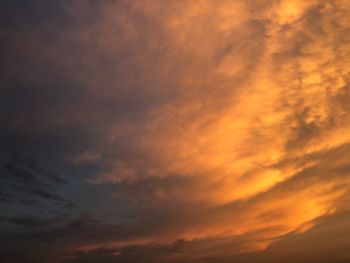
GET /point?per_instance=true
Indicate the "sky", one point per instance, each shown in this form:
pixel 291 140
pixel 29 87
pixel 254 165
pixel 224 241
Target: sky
pixel 175 131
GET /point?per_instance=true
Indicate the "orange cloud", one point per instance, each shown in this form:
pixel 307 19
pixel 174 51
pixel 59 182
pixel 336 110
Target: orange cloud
pixel 213 120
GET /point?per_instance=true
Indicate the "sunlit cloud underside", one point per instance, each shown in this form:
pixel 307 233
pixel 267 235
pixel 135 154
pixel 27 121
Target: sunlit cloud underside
pixel 188 131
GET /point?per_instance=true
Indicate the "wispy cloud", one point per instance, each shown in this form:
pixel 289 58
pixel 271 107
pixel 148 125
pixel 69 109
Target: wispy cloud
pixel 191 130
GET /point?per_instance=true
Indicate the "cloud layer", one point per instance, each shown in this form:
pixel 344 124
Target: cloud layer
pixel 187 131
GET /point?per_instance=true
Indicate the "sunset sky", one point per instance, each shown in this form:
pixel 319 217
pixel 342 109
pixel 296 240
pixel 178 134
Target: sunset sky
pixel 175 131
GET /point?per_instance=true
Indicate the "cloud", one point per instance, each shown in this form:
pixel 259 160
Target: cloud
pixel 192 130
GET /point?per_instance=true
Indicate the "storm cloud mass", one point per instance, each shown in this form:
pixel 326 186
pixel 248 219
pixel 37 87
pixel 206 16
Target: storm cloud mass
pixel 188 131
